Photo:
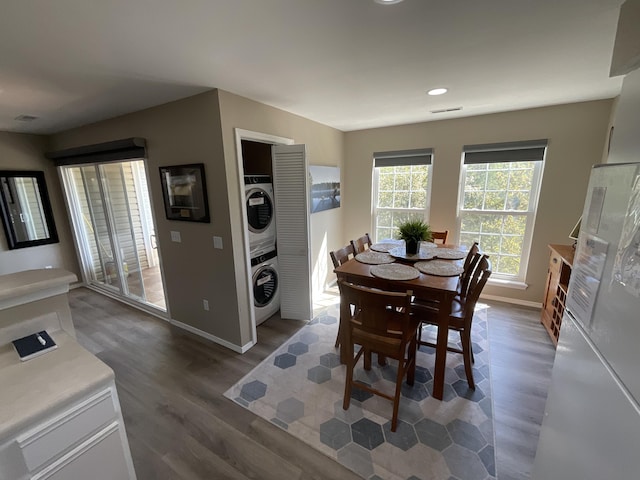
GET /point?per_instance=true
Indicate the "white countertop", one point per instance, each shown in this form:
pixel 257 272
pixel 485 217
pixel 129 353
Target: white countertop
pixel 37 388
pixel 29 285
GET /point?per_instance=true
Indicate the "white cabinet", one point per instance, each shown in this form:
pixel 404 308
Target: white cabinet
pixel 60 417
pixel 87 440
pixel 99 458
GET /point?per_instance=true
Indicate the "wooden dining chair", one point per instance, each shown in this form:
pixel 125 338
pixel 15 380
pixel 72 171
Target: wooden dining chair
pixel 380 322
pixel 440 237
pixel 342 255
pixel 469 266
pixel 361 244
pixel 461 316
pixel 338 257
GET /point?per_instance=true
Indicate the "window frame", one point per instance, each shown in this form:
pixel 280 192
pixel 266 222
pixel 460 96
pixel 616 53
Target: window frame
pixel 411 157
pixel 515 281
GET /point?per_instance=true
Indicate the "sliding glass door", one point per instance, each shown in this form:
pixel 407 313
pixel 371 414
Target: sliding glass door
pixel 114 229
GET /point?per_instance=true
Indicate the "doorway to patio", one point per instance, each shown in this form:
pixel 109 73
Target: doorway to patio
pixel 114 230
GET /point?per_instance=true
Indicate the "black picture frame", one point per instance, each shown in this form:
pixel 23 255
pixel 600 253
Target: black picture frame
pixel 184 190
pixel 27 216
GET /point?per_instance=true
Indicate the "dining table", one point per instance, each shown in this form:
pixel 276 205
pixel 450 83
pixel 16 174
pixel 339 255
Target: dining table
pixel 441 289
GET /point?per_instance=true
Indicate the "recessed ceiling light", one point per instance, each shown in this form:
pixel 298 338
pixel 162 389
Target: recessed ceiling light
pixel 437 91
pixel 25 118
pixel 445 110
pixel 387 2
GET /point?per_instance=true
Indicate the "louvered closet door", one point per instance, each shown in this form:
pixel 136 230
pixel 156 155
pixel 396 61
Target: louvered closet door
pixel 291 191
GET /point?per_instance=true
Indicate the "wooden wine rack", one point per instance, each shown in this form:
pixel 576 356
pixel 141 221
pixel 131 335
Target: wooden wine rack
pixel 555 298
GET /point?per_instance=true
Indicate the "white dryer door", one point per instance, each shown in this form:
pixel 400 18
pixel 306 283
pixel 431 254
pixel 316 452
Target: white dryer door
pixel 265 286
pixel 259 210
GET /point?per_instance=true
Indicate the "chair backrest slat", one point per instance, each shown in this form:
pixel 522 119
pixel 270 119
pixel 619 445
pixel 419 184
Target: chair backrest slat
pixel 340 256
pixel 373 310
pixel 440 236
pixel 470 264
pixel 361 244
pixel 476 284
pixel 475 248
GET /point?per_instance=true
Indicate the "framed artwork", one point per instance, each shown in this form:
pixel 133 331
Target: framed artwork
pixel 325 187
pixel 184 190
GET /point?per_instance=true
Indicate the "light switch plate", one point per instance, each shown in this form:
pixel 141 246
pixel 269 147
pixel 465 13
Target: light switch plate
pixel 217 242
pixel 175 237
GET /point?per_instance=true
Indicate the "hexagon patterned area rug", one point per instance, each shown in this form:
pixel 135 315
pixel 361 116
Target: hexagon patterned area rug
pixel 300 388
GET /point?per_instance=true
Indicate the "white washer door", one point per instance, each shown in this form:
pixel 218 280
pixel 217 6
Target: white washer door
pixel 259 210
pixel 265 285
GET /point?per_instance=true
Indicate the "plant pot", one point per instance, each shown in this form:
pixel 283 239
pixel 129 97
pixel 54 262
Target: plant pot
pixel 412 247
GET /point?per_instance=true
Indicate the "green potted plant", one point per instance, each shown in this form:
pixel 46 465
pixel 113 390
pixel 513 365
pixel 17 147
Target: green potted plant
pixel 412 232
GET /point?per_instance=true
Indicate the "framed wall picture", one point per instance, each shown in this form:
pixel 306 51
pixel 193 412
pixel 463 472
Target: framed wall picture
pixel 325 187
pixel 184 190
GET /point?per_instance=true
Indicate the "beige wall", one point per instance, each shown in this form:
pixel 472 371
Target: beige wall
pixel 626 50
pixel 576 134
pixel 625 141
pixel 324 146
pixel 200 129
pixel 26 152
pixel 182 132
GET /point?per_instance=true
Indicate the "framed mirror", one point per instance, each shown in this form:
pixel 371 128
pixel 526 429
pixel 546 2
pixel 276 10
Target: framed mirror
pixel 26 213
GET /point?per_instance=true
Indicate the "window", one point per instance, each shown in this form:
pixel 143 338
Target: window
pixel 401 182
pixel 498 202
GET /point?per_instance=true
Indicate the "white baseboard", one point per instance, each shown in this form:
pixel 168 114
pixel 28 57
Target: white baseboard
pixel 515 301
pixel 156 312
pixel 184 326
pixel 213 338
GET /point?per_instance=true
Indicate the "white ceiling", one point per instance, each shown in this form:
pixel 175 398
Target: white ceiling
pixel 350 64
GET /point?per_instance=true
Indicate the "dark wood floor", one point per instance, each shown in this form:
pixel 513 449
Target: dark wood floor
pixel 179 425
pixel 521 360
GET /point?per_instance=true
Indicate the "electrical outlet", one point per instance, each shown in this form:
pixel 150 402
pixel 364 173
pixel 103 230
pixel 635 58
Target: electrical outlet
pixel 205 304
pixel 175 237
pixel 217 242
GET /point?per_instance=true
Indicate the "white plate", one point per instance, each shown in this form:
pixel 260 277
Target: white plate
pixel 394 271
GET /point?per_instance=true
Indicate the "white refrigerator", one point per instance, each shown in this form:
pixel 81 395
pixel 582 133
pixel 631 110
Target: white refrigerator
pixel 591 428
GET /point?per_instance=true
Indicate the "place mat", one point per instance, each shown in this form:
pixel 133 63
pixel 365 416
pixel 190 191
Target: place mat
pixel 450 254
pixel 394 271
pixel 440 268
pixel 374 258
pixel 423 254
pixel 385 246
pixel 428 245
pixel 299 388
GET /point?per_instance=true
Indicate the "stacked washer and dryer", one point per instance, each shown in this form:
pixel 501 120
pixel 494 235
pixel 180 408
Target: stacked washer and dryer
pixel 261 222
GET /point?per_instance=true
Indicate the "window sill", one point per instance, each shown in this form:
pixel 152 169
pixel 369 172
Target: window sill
pixel 496 282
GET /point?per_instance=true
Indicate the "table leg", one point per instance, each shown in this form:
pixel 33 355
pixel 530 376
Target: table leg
pixel 441 348
pixel 344 317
